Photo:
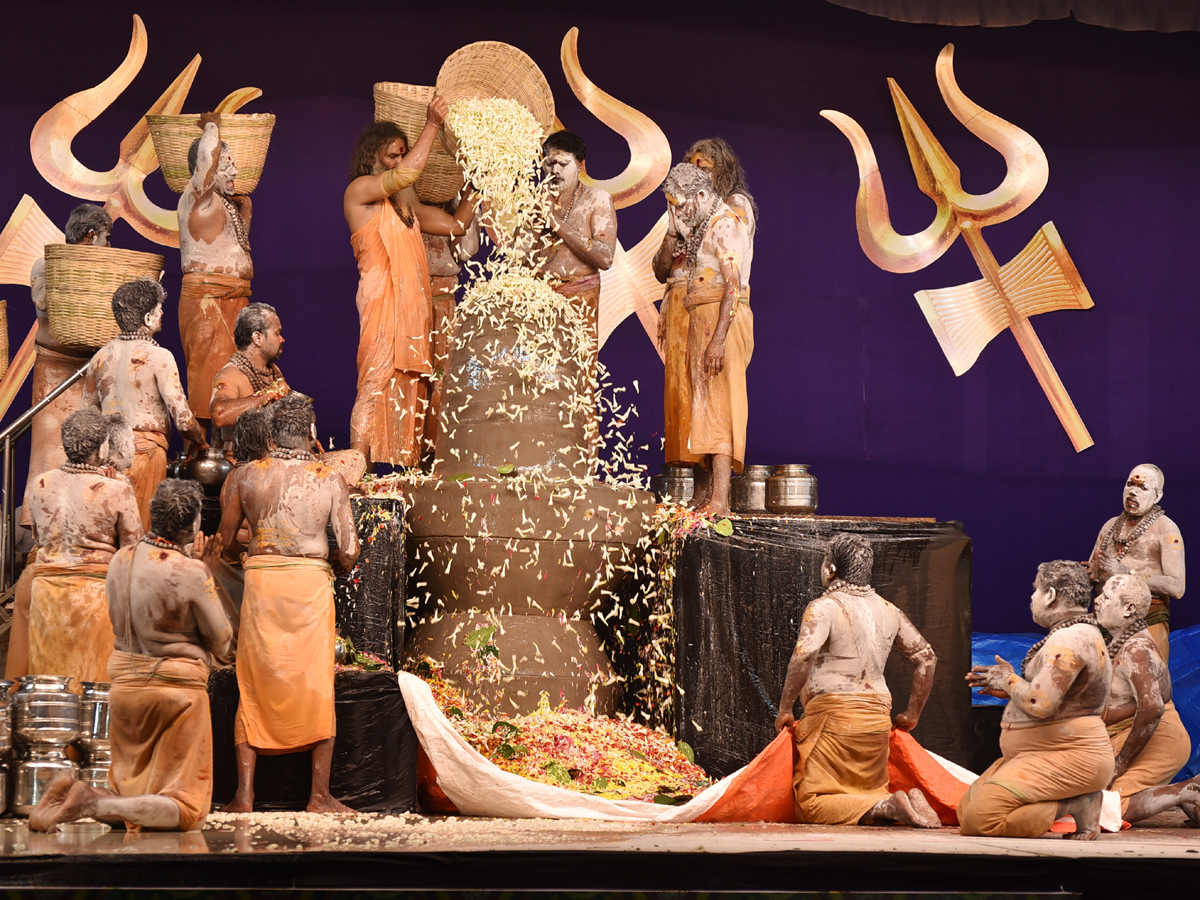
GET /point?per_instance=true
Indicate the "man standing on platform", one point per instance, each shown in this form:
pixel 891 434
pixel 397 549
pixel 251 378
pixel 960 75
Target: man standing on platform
pixel 1056 753
pixel 81 514
pixel 134 376
pixel 170 626
pixel 842 740
pixel 395 305
pixel 583 225
pixel 251 379
pixel 1142 541
pixel 214 244
pixel 718 250
pixel 285 641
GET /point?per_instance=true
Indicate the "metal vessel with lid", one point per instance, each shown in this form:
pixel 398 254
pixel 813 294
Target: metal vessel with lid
pixel 792 491
pixel 675 484
pixel 45 720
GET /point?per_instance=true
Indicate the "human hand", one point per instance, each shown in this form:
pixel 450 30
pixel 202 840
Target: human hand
pixel 276 390
pixel 993 680
pixel 714 358
pixel 208 549
pixel 210 117
pixel 905 721
pixel 436 112
pixel 192 450
pixel 1105 563
pixel 784 720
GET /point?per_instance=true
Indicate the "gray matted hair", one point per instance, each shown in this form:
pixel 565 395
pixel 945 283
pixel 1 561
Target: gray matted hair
pixel 251 434
pixel 174 508
pixel 133 300
pixel 852 557
pixel 1069 580
pixel 83 433
pixel 687 180
pixel 86 218
pixel 292 420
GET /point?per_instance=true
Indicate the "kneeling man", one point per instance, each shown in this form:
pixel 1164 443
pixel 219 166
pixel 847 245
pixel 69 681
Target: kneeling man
pixel 285 640
pixel 1056 753
pixel 170 625
pixel 841 775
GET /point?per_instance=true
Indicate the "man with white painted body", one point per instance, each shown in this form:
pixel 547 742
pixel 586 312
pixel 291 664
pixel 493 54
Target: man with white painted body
pixel 1149 741
pixel 134 376
pixel 170 624
pixel 836 670
pixel 1142 541
pixel 285 641
pixel 214 246
pixel 1056 753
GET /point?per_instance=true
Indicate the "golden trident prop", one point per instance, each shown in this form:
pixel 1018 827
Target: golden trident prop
pixel 1039 279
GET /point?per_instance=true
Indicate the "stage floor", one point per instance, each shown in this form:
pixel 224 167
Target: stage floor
pixel 368 852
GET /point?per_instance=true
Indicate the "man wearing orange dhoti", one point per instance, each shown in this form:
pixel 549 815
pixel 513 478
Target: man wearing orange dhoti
pixel 1056 753
pixel 286 633
pixel 395 303
pixel 134 376
pixel 81 514
pixel 170 626
pixel 846 635
pixel 718 252
pixel 214 247
pixel 1148 738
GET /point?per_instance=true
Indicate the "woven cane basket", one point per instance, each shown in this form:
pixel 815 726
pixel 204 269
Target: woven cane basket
pixel 80 281
pixel 405 105
pixel 491 69
pixel 248 136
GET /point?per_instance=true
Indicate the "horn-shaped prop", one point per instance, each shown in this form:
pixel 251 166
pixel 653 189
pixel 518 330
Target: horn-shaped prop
pixel 24 241
pixel 649 150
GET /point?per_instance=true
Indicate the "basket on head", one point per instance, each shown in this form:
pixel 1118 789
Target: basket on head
pixel 247 134
pixel 80 281
pixel 405 105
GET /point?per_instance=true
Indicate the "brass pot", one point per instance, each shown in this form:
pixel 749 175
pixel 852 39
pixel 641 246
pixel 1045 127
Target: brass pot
pixel 792 491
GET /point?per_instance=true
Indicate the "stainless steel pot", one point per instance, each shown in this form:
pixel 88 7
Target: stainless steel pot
pixel 792 491
pixel 676 484
pixel 31 776
pixel 750 489
pixel 93 719
pixel 44 710
pixel 5 718
pixel 96 776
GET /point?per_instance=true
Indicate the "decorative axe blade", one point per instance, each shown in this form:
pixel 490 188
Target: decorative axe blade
pixel 649 149
pixel 1041 278
pixel 629 286
pixel 24 241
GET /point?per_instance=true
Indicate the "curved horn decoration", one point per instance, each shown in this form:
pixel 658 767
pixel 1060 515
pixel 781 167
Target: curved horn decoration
pixel 649 150
pixel 50 142
pixel 881 243
pixel 1028 168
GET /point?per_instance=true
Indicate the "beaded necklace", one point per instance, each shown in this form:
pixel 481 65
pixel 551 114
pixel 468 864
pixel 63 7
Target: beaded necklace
pixel 1139 529
pixel 845 587
pixel 155 541
pixel 565 219
pixel 136 336
pixel 284 453
pixel 259 378
pixel 239 224
pixel 81 468
pixel 1115 646
pixel 696 237
pixel 1084 619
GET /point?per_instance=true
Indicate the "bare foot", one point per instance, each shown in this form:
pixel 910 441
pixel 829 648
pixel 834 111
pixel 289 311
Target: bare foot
pixel 327 804
pixel 1189 802
pixel 717 508
pixel 1086 810
pixel 921 806
pixel 239 804
pixel 899 808
pixel 46 814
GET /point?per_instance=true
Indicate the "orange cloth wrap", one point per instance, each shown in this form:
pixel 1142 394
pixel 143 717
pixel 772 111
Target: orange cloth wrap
pixel 395 313
pixel 285 654
pixel 208 307
pixel 17 662
pixel 841 767
pixel 1167 751
pixel 50 369
pixel 719 407
pixel 160 729
pixel 1018 795
pixel 69 629
pixel 148 470
pixel 677 385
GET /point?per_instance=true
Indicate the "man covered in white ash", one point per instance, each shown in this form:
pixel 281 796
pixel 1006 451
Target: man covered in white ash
pixel 1056 752
pixel 1142 541
pixel 285 666
pixel 842 740
pixel 170 625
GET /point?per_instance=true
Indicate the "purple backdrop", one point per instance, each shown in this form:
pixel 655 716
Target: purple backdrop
pixel 847 374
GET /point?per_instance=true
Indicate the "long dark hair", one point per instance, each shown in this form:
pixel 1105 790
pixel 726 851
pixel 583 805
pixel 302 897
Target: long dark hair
pixel 728 176
pixel 373 139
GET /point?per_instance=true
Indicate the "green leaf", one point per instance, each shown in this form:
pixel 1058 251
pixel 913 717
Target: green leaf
pixel 664 799
pixel 600 784
pixel 480 637
pixel 509 727
pixel 506 469
pixel 724 528
pixel 685 749
pixel 508 751
pixel 455 712
pixel 463 477
pixel 557 771
pixel 641 756
pixel 425 670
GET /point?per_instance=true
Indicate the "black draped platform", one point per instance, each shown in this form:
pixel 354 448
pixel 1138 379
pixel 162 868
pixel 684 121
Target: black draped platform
pixel 738 602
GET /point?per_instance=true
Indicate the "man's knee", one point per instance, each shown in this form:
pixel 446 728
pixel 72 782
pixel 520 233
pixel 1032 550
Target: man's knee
pixel 983 810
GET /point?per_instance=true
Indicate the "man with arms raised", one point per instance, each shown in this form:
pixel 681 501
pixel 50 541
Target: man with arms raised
pixel 583 224
pixel 841 775
pixel 214 245
pixel 1142 541
pixel 170 626
pixel 134 376
pixel 718 250
pixel 1148 738
pixel 395 304
pixel 1056 753
pixel 285 640
pixel 251 379
pixel 81 514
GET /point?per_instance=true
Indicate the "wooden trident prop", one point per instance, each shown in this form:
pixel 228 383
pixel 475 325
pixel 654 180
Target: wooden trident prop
pixel 1039 279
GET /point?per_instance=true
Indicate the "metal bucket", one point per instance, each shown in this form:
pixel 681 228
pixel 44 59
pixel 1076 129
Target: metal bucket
pixel 45 711
pixel 33 775
pixel 792 491
pixel 93 719
pixel 676 484
pixel 750 489
pixel 5 718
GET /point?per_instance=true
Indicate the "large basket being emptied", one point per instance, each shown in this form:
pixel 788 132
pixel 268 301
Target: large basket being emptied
pixel 80 281
pixel 405 104
pixel 248 136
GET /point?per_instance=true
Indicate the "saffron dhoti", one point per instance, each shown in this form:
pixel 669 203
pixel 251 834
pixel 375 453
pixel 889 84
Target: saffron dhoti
pixel 148 470
pixel 208 308
pixel 1167 751
pixel 285 654
pixel 161 732
pixel 70 632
